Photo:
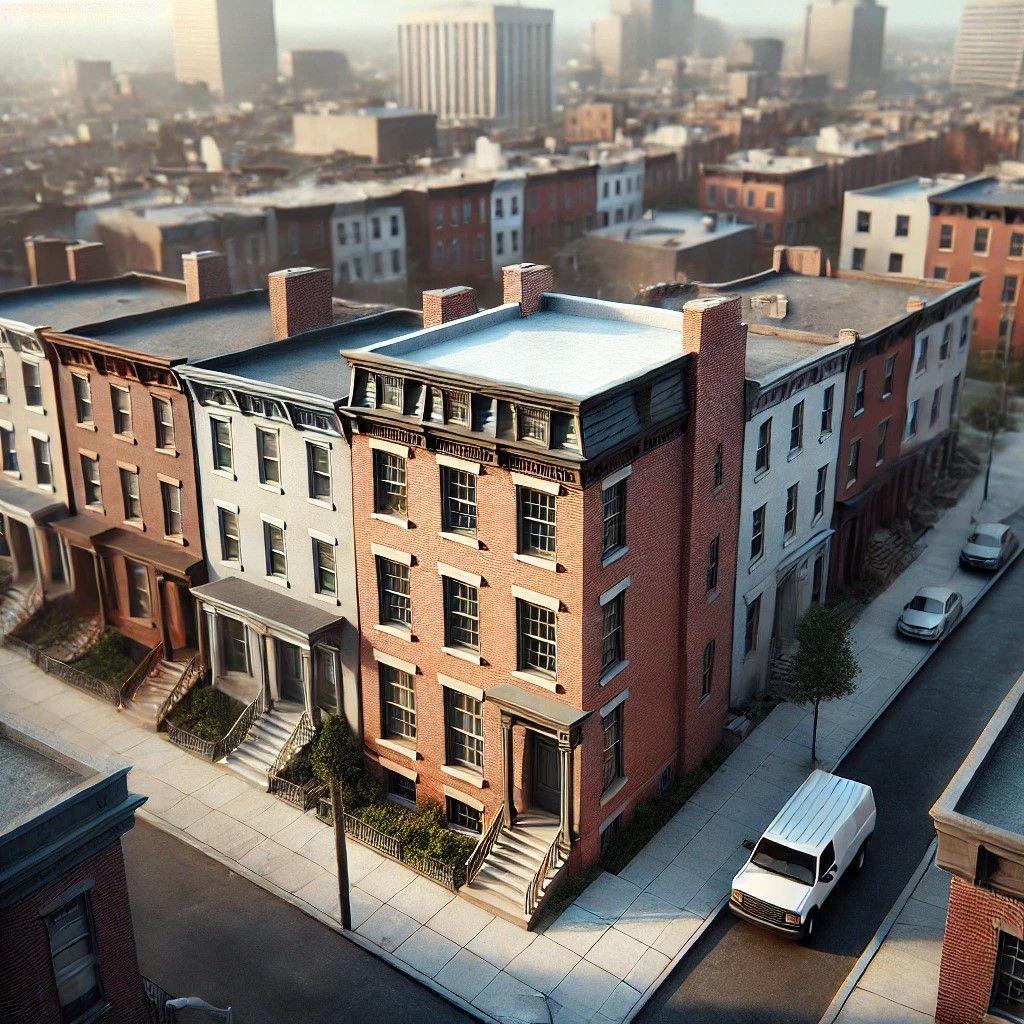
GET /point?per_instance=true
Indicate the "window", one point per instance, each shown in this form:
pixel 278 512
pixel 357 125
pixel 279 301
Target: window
pixel 458 501
pixel 853 463
pixel 171 496
pixel 763 458
pixel 769 200
pixel 223 457
pixel 796 429
pixel 375 227
pixel 392 392
pixel 947 336
pixel 121 401
pixel 274 550
pixel 325 569
pixel 858 398
pixel 912 417
pixel 936 406
pixel 890 373
pixel 611 770
pixel 83 398
pixel 399 787
pixel 718 471
pixel 230 541
pixel 3 375
pixel 138 589
pixel 398 699
pixel 269 455
pixel 857 261
pixel 902 225
pixel 396 261
pixel 318 467
pixel 954 396
pixel 730 196
pixel 1009 289
pixel 712 193
pixel 461 615
pixel 752 626
pixel 883 433
pixel 461 816
pixel 940 273
pixel 325 678
pixel 895 263
pixel 863 221
pixel 536 638
pixel 44 464
pixel 613 633
pixel 74 959
pixel 456 407
pixel 236 647
pixel 130 495
pixel 393 596
pixel 828 402
pixel 533 425
pixel 819 491
pixel 91 480
pixel 163 421
pixel 789 524
pixel 713 551
pixel 467 211
pixel 10 452
pixel 613 512
pixel 965 327
pixel 464 730
pixel 981 241
pixel 768 231
pixel 921 359
pixel 536 523
pixel 1016 244
pixel 757 533
pixel 946 237
pixel 1008 984
pixel 389 495
pixel 707 669
pixel 751 198
pixel 33 383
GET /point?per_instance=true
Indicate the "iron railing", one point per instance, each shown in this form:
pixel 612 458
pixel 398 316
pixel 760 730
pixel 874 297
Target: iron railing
pixel 192 674
pixel 214 750
pixel 300 794
pixel 144 667
pixel 156 1003
pixel 535 890
pixel 479 854
pixel 62 670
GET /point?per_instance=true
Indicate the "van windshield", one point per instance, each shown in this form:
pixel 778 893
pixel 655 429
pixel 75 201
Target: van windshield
pixel 781 860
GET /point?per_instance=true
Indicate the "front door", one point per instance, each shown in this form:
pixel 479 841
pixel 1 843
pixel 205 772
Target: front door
pixel 546 789
pixel 289 673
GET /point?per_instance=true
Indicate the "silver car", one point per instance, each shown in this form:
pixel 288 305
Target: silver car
pixel 989 546
pixel 930 613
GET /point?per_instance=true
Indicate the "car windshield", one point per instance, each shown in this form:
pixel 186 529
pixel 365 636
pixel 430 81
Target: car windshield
pixel 925 604
pixel 781 860
pixel 984 540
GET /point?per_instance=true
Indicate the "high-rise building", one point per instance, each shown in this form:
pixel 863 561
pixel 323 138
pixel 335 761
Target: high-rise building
pixel 845 39
pixel 665 26
pixel 619 45
pixel 490 62
pixel 228 45
pixel 990 45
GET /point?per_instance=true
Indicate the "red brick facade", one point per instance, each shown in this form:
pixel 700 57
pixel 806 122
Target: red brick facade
pixel 559 207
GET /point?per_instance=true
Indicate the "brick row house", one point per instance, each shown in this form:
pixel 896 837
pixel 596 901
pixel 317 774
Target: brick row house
pixel 540 673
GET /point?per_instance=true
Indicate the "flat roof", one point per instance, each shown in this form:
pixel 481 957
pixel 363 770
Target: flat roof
pixel 63 306
pixel 29 780
pixel 673 229
pixel 769 356
pixel 908 188
pixel 572 346
pixel 990 191
pixel 993 795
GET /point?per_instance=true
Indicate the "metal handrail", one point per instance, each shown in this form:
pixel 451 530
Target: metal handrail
pixel 533 890
pixel 144 667
pixel 302 734
pixel 242 725
pixel 188 678
pixel 482 848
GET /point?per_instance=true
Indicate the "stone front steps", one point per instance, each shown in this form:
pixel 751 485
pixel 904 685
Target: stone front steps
pixel 255 755
pixel 150 694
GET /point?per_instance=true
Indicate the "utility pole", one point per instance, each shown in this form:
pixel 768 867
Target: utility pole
pixel 341 852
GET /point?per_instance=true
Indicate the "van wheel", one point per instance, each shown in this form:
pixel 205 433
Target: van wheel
pixel 862 855
pixel 810 927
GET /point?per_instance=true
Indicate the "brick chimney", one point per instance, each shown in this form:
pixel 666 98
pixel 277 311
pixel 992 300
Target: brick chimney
pixel 87 261
pixel 206 275
pixel 300 300
pixel 525 283
pixel 805 260
pixel 442 305
pixel 47 261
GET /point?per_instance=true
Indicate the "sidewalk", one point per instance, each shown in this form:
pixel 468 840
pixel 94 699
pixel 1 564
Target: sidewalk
pixel 606 953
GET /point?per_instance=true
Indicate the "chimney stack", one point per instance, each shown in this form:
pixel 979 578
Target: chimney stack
pixel 914 303
pixel 47 261
pixel 300 300
pixel 206 275
pixel 87 261
pixel 442 305
pixel 805 260
pixel 526 283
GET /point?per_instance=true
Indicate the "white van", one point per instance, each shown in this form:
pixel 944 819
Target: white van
pixel 823 829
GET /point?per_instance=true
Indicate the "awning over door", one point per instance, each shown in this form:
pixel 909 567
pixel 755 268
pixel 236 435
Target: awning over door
pixel 26 504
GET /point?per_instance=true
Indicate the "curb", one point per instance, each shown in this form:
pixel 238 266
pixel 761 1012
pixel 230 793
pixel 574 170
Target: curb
pixel 864 960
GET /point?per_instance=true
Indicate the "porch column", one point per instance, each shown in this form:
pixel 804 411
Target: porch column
pixel 101 591
pixel 201 637
pixel 161 610
pixel 213 643
pixel 307 678
pixel 506 765
pixel 565 811
pixel 33 533
pixel 263 644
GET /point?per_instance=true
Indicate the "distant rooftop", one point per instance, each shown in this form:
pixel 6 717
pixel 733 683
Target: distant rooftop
pixel 769 357
pixel 910 188
pixel 765 161
pixel 674 229
pixel 66 305
pixel 29 780
pixel 990 191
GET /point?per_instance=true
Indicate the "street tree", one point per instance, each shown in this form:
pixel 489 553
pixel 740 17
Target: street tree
pixel 825 667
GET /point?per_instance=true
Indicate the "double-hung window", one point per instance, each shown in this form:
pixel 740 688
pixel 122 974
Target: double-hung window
pixel 707 669
pixel 276 555
pixel 1007 997
pixel 853 463
pixel 83 399
pixel 981 236
pixel 74 959
pixel 537 638
pixel 713 553
pixel 890 374
pixel 828 402
pixel 612 760
pixel 757 533
pixel 946 237
pixel 171 495
pixel 121 402
pixel 458 501
pixel 44 462
pixel 718 467
pixel 796 429
pixel 8 450
pixel 398 701
pixel 139 605
pixel 325 568
pixel 819 491
pixel 318 467
pixel 394 603
pixel 268 450
pixel 33 383
pixel 461 816
pixel 163 420
pixel 936 405
pixel 389 494
pixel 461 615
pixel 613 517
pixel 921 361
pixel 912 412
pixel 464 730
pixel 792 504
pixel 223 456
pixel 763 458
pixel 536 522
pixel 613 628
pixel 130 496
pixel 230 539
pixel 752 626
pixel 858 398
pixel 91 481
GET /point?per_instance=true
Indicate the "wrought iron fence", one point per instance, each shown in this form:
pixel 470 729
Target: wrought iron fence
pixel 192 674
pixel 156 1003
pixel 214 750
pixel 82 680
pixel 144 667
pixel 483 847
pixel 300 794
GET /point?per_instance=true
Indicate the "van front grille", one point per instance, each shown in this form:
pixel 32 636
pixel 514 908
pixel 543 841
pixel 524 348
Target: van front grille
pixel 763 911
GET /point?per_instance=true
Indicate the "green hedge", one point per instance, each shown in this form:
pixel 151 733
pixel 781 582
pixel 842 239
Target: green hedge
pixel 108 659
pixel 207 712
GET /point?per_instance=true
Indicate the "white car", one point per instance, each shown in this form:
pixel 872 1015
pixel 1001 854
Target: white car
pixel 930 613
pixel 823 829
pixel 989 546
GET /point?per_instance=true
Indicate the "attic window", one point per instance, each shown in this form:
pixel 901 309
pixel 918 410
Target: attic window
pixel 533 425
pixel 219 396
pixel 391 392
pixel 457 403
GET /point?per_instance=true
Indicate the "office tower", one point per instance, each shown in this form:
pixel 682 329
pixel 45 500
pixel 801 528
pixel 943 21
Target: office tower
pixel 666 26
pixel 844 39
pixel 619 46
pixel 990 45
pixel 489 62
pixel 228 45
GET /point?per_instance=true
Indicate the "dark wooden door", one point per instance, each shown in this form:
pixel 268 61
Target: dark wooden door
pixel 546 790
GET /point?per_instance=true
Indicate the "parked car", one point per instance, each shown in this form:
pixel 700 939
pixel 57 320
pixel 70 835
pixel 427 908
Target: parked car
pixel 823 829
pixel 930 613
pixel 989 546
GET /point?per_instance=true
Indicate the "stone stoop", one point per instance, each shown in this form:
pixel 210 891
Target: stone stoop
pixel 256 754
pixel 501 883
pixel 18 607
pixel 150 694
pixel 888 554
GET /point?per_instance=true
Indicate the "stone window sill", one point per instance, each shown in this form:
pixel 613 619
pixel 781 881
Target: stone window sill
pixel 279 581
pixel 228 474
pixel 175 538
pixel 39 410
pixel 272 488
pixel 460 538
pixel 544 682
pixel 386 517
pixel 464 775
pixel 457 652
pixel 331 599
pixel 87 426
pixel 403 749
pixel 135 524
pixel 322 503
pixel 14 474
pixel 794 453
pixel 541 563
pixel 614 790
pixel 760 474
pixel 614 555
pixel 612 671
pixel 127 438
pixel 402 632
pixel 170 452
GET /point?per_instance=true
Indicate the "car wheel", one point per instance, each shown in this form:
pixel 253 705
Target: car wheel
pixel 810 927
pixel 862 855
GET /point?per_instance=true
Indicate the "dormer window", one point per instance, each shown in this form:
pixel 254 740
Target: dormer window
pixel 457 407
pixel 533 425
pixel 391 391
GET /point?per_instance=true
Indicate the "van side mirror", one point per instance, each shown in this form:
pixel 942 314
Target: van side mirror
pixel 748 844
pixel 828 876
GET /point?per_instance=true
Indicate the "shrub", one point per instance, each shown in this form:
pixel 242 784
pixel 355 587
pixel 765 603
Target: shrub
pixel 988 415
pixel 108 659
pixel 207 712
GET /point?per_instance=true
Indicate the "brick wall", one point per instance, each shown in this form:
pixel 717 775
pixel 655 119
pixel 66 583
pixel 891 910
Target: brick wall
pixel 28 993
pixel 300 300
pixel 973 922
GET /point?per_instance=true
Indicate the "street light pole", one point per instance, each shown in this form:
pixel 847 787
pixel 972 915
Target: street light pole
pixel 341 852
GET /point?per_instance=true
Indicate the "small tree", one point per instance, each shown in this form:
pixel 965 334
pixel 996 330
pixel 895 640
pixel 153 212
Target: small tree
pixel 824 668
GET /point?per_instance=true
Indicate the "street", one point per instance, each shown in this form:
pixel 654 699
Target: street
pixel 204 930
pixel 741 973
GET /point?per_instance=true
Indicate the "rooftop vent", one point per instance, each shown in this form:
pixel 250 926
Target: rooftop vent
pixel 774 306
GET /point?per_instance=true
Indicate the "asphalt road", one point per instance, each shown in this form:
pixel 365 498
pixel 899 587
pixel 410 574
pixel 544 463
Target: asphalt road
pixel 202 930
pixel 741 973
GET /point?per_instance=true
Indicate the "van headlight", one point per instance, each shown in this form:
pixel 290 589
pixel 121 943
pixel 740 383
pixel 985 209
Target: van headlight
pixel 737 896
pixel 792 918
